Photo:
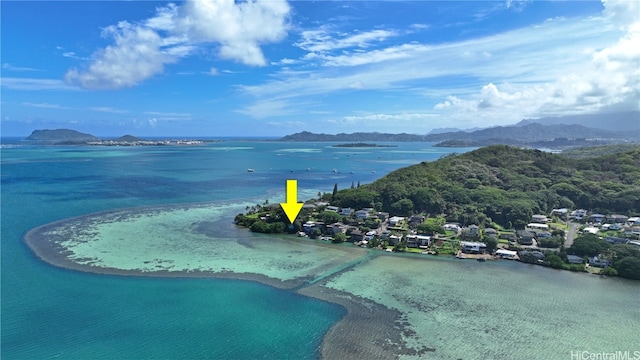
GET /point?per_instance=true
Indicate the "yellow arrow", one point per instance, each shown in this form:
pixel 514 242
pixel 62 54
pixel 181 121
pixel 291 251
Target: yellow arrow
pixel 292 207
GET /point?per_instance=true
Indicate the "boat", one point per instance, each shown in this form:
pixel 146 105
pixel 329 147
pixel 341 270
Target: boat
pixel 250 170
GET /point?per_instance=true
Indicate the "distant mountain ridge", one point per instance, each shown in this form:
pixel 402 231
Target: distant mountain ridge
pixel 529 132
pixel 521 133
pixel 358 136
pixel 628 121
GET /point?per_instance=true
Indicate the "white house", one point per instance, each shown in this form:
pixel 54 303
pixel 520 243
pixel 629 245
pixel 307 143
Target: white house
pixel 506 254
pixel 346 211
pixel 332 208
pixel 362 214
pixel 393 221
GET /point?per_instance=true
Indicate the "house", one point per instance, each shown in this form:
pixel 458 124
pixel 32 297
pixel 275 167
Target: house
pixel 414 220
pixel 508 236
pixel 634 220
pixel 537 227
pixel 362 214
pixel 615 240
pixel 542 234
pixel 506 254
pixel 309 206
pixel 385 235
pixel 633 242
pixel 491 232
pixel 394 221
pixel 590 230
pixel 541 219
pixel 559 212
pixel 468 247
pixel 346 211
pixel 598 261
pixel 632 231
pixel 383 216
pixel 596 218
pixel 471 231
pixel 394 240
pixel 575 259
pixel 411 242
pixel 336 228
pixel 578 214
pixel 452 227
pixel 332 208
pixel 617 219
pixel 421 241
pixel 525 237
pixel 356 235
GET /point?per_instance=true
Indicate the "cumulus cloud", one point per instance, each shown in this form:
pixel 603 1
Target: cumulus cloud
pixel 141 50
pixel 609 78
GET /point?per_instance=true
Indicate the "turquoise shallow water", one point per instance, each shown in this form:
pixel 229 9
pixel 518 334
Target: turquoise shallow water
pixel 461 309
pixel 49 312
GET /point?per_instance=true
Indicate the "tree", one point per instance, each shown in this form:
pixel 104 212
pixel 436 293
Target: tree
pixel 629 267
pixel 555 261
pixel 588 245
pixel 492 244
pixel 335 192
pixel 329 217
pixel 339 238
pixel 430 227
pixel 403 207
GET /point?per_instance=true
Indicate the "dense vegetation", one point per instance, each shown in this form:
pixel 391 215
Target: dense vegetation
pixel 504 185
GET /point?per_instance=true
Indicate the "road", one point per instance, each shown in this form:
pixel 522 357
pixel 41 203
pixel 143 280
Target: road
pixel 571 234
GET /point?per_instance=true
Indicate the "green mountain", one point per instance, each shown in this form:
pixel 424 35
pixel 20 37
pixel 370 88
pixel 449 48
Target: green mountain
pixel 505 185
pixel 61 135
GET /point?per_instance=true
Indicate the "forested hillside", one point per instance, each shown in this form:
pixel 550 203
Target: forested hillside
pixel 505 185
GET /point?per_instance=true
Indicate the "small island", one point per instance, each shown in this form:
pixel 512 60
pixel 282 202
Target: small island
pixel 73 137
pixel 363 145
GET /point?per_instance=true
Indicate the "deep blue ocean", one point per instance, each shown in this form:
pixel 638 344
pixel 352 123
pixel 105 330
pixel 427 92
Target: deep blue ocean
pixel 48 312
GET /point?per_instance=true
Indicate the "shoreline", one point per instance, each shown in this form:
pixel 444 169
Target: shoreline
pixel 378 330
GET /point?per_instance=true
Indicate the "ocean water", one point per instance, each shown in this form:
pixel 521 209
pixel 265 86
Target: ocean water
pixel 49 312
pixel 459 309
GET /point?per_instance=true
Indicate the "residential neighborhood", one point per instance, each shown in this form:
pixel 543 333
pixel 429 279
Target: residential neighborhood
pixel 548 239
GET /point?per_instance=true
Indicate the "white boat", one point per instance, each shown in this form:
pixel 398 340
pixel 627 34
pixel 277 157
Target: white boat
pixel 250 170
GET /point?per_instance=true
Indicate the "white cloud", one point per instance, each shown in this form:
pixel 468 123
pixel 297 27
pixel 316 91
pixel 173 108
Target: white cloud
pixel 322 40
pixel 608 78
pixel 108 109
pixel 375 56
pixel 45 106
pixel 557 67
pixel 9 67
pixel 34 84
pixel 135 56
pixel 267 108
pixel 411 117
pixel 141 50
pixel 213 72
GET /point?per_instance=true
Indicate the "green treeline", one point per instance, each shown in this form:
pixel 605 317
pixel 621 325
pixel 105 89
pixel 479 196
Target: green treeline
pixel 504 185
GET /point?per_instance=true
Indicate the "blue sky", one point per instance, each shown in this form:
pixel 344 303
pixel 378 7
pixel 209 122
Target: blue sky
pixel 275 67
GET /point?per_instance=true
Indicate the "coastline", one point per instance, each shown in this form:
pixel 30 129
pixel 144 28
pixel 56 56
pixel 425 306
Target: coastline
pixel 379 328
pixel 395 306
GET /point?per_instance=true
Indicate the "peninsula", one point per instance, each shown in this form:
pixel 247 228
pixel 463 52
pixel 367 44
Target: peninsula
pixel 497 200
